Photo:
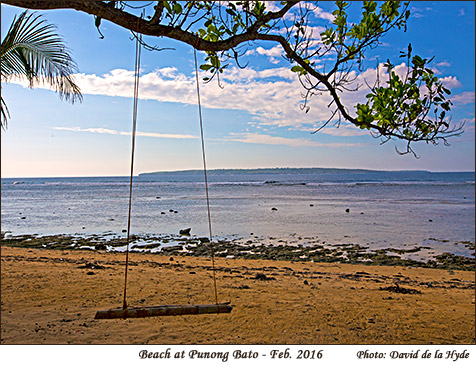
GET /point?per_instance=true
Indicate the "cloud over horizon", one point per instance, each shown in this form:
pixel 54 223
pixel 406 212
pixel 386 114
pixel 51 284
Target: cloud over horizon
pixel 272 96
pixel 122 133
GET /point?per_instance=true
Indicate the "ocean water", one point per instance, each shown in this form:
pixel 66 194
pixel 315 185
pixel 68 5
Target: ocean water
pixel 400 209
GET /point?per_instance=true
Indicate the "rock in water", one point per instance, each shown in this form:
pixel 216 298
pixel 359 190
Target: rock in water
pixel 185 232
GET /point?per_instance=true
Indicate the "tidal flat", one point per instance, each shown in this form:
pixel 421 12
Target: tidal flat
pixel 301 249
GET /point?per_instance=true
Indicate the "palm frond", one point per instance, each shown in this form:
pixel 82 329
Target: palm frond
pixel 33 50
pixel 5 114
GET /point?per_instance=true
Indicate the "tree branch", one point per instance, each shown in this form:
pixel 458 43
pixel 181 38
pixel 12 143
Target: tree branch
pixel 139 25
pixel 158 13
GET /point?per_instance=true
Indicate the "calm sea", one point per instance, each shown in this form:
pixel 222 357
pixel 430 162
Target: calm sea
pixel 384 209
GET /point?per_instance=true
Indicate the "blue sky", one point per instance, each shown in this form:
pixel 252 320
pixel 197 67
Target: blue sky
pixel 254 121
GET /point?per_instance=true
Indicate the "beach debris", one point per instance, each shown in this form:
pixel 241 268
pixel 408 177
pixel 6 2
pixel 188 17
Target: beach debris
pixel 263 277
pixel 93 266
pixel 395 288
pixel 185 232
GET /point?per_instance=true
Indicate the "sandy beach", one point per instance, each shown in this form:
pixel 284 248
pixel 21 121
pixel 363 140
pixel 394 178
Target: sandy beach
pixel 51 297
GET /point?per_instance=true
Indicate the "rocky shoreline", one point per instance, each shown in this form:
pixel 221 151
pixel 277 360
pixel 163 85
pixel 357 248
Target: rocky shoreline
pixel 256 249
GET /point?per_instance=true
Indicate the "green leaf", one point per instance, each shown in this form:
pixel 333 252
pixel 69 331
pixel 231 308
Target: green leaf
pixel 167 6
pixel 177 8
pixel 297 69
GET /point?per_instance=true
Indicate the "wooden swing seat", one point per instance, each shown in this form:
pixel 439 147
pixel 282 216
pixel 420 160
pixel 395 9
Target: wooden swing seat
pixel 174 309
pixel 163 310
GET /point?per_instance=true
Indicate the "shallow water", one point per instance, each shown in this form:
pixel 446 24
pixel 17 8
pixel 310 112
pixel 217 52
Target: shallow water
pixel 386 209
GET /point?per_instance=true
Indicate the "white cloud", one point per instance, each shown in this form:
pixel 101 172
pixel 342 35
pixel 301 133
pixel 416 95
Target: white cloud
pixel 342 130
pixel 271 53
pixel 275 140
pixel 272 97
pixel 237 75
pixel 271 6
pixel 275 51
pixel 443 64
pixel 318 12
pixel 469 130
pixel 450 82
pixel 464 98
pixel 121 133
pixel 418 12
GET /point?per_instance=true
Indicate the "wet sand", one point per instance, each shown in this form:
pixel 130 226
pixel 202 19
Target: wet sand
pixel 51 297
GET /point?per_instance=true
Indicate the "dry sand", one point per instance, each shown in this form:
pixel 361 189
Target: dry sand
pixel 46 298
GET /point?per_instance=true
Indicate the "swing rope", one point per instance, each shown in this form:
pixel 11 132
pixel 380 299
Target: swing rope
pixel 134 127
pixel 205 173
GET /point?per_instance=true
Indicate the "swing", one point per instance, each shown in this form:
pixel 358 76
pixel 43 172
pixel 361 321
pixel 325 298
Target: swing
pixel 175 309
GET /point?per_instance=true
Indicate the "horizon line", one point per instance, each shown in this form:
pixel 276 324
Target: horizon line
pixel 237 169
